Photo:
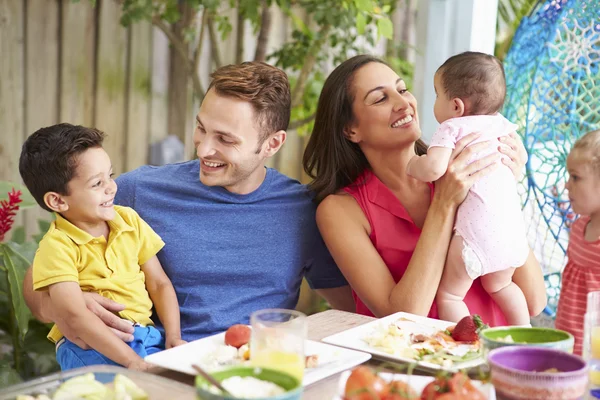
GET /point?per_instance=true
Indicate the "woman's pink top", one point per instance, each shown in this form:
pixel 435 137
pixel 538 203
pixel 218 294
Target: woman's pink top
pixel 395 236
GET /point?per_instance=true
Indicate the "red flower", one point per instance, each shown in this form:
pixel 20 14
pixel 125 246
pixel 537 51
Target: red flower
pixel 8 210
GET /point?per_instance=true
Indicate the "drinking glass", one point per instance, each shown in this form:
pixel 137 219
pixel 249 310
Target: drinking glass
pixel 593 302
pixel 277 340
pixel 591 346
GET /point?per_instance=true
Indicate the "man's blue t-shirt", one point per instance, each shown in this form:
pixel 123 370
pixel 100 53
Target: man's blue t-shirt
pixel 229 254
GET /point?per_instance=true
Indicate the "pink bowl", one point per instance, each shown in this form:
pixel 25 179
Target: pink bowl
pixel 518 373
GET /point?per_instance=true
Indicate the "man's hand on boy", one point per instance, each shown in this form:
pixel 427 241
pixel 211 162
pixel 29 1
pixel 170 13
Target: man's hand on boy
pixel 173 342
pixel 105 309
pixel 139 365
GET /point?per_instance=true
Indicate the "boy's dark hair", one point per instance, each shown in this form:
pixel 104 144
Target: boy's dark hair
pixel 49 158
pixel 475 78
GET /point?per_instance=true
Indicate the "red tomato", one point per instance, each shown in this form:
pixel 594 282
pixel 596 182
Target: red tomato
pixel 363 384
pixel 237 335
pixel 434 389
pixel 399 390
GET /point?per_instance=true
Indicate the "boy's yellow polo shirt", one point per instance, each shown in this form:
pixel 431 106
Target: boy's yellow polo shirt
pixel 112 269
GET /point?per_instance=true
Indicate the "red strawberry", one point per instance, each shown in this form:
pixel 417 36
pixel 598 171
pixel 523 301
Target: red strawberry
pixel 466 329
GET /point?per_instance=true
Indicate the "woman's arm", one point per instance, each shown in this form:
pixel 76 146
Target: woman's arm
pixel 346 230
pixel 531 281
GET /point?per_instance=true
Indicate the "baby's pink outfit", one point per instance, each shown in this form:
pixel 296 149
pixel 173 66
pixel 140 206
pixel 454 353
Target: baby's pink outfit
pixel 490 220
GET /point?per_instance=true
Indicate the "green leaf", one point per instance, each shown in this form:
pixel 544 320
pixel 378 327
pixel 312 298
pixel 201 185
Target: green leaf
pixel 8 376
pixel 361 23
pixel 385 27
pixel 364 5
pixel 16 265
pixel 18 235
pixel 299 24
pixel 27 199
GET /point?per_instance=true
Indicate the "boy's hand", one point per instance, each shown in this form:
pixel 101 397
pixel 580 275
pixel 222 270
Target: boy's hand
pixel 139 365
pixel 174 342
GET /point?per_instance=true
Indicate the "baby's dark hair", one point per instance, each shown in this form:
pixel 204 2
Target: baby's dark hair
pixel 49 158
pixel 475 78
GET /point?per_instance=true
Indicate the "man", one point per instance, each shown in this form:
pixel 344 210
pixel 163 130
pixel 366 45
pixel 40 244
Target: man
pixel 241 238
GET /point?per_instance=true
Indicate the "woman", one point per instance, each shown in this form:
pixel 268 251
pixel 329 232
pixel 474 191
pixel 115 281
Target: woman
pixel 389 233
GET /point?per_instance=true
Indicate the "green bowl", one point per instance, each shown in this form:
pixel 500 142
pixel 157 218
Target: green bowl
pixel 493 338
pixel 291 384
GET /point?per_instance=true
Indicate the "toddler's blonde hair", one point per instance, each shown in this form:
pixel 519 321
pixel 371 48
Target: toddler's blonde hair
pixel 588 148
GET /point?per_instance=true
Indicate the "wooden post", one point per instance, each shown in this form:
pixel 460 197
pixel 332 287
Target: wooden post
pixel 41 105
pixel 12 90
pixel 138 110
pixel 159 86
pixel 110 88
pixel 77 47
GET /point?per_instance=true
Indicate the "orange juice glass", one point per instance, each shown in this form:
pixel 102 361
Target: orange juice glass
pixel 277 340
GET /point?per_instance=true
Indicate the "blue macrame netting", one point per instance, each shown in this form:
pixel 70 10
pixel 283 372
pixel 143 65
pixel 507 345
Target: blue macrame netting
pixel 553 94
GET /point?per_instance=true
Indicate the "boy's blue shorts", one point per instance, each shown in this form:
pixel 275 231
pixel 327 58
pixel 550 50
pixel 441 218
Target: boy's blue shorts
pixel 146 341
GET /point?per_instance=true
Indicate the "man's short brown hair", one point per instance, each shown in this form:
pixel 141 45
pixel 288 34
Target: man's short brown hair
pixel 264 86
pixel 475 78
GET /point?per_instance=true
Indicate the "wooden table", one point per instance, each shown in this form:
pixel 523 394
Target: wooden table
pixel 320 326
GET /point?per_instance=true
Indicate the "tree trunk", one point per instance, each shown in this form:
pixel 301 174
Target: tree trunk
pixel 407 28
pixel 178 77
pixel 263 36
pixel 239 37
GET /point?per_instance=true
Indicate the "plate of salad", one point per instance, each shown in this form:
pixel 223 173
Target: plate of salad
pixel 407 338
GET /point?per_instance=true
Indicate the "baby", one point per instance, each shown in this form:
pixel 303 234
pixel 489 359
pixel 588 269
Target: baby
pixel 489 239
pixel 95 246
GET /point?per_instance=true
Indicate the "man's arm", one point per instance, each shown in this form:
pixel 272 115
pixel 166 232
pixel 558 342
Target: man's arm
pixel 431 166
pixel 69 305
pixel 339 298
pixel 42 308
pixel 38 302
pixel 163 297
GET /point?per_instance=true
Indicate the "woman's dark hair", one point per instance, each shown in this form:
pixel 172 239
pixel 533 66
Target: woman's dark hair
pixel 332 160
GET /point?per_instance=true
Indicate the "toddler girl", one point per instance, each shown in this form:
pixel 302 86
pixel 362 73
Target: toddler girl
pixel 489 238
pixel 582 272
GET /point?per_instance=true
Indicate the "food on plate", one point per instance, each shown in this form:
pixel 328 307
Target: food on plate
pixel 87 387
pixel 413 340
pixel 311 361
pixel 248 387
pixel 466 330
pixel 235 350
pixel 457 387
pixel 237 335
pixel 365 384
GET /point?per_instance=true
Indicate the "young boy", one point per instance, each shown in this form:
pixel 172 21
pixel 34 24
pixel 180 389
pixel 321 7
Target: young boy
pixel 95 246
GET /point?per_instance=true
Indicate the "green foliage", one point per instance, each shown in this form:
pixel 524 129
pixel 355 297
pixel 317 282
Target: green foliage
pixel 328 31
pixel 29 353
pixel 510 14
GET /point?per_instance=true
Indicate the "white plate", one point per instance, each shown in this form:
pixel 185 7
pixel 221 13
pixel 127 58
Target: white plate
pixel 332 359
pixel 354 339
pixel 417 382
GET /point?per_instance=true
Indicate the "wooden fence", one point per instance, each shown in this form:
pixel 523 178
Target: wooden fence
pixel 65 61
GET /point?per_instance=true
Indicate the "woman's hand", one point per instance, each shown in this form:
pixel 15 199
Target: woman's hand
pixel 453 187
pixel 516 155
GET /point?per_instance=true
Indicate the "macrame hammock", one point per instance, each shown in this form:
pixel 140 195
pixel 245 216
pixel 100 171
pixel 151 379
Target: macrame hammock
pixel 553 94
